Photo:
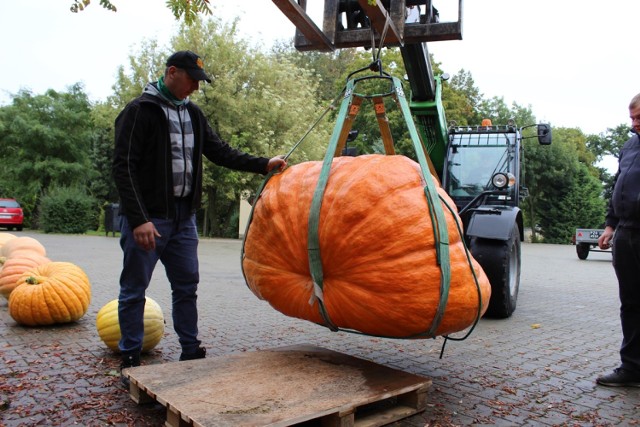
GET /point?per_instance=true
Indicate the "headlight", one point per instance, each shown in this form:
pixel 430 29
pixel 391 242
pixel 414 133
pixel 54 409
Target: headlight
pixel 503 180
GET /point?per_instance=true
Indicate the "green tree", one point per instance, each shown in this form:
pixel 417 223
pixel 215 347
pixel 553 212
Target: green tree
pixel 578 140
pixel 500 113
pixel 327 69
pixel 565 192
pixel 577 204
pixel 146 65
pixel 461 99
pixel 45 141
pixel 610 142
pixel 102 186
pixel 588 210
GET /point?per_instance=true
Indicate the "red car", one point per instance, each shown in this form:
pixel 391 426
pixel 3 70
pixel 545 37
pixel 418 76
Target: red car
pixel 11 215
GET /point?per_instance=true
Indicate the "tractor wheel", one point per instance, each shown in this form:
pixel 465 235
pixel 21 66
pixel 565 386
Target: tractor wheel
pixel 500 260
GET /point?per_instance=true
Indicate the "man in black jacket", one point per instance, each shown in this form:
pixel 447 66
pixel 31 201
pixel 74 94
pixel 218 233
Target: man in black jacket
pixel 160 138
pixel 623 217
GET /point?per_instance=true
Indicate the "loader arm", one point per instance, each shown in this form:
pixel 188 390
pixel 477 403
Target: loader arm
pixel 426 102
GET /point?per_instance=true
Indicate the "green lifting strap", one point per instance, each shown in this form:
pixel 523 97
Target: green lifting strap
pixel 436 212
pixel 313 248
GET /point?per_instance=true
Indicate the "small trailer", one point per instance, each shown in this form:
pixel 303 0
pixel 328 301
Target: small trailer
pixel 586 241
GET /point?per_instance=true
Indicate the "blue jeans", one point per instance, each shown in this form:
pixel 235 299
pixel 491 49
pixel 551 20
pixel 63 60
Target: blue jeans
pixel 177 249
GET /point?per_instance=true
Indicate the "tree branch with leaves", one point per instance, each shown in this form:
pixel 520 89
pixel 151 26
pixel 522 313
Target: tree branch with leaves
pixel 187 9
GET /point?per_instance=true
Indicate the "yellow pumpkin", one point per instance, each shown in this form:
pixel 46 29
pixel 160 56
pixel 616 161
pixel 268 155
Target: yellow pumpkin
pixel 109 328
pixel 376 239
pixel 55 292
pixel 15 266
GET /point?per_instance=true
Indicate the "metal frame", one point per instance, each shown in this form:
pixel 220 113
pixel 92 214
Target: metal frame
pixel 309 36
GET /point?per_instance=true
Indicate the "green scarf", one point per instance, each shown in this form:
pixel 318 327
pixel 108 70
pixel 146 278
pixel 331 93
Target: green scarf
pixel 167 93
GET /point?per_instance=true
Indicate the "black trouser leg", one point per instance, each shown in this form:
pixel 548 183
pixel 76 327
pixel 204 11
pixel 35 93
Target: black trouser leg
pixel 626 262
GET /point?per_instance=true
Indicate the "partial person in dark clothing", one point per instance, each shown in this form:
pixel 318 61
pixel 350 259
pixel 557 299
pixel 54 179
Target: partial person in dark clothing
pixel 160 138
pixel 623 218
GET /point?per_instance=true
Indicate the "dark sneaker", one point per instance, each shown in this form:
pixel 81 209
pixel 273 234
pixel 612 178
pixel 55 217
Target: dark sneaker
pixel 128 361
pixel 620 378
pixel 200 353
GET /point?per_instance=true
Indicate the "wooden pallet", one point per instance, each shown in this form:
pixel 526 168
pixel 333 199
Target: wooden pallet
pixel 299 385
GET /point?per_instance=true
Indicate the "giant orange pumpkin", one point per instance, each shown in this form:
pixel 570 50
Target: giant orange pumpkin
pixel 55 292
pixel 377 249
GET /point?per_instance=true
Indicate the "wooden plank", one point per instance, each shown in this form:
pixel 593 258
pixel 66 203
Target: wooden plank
pixel 174 419
pixel 310 37
pixel 139 396
pixel 330 19
pixel 383 124
pixel 380 18
pixel 281 387
pixel 386 417
pixel 437 31
pixel 354 109
pixel 413 33
pixel 298 16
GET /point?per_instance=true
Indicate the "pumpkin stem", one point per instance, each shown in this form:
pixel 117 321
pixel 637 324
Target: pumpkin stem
pixel 32 280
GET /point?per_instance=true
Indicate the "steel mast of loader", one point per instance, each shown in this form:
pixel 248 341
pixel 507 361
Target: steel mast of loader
pixel 353 23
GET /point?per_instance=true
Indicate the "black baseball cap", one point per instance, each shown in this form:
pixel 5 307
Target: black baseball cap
pixel 190 62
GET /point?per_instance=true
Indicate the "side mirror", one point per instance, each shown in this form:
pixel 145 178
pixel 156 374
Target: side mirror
pixel 544 134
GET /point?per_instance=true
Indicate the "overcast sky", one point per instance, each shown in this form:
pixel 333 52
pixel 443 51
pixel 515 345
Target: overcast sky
pixel 573 61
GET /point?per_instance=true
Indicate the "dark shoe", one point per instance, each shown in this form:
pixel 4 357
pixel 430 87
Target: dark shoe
pixel 200 353
pixel 620 378
pixel 129 360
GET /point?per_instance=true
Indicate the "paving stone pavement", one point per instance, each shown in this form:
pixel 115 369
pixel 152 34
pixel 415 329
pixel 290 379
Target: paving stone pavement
pixel 536 368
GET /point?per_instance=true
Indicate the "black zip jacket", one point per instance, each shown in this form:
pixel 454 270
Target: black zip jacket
pixel 624 207
pixel 142 159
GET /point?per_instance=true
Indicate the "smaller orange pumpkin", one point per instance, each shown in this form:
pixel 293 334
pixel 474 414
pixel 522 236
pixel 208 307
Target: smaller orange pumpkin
pixel 55 292
pixel 15 266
